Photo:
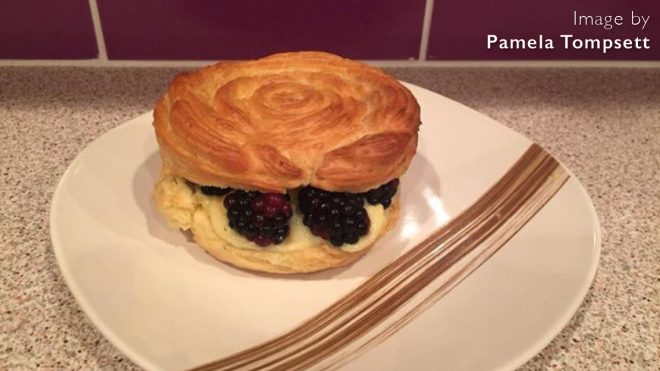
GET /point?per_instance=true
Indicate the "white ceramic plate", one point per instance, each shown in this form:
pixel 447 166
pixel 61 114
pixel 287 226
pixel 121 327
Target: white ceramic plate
pixel 167 305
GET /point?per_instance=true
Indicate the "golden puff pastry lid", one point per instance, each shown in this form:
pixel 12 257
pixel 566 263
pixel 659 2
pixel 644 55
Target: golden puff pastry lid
pixel 288 120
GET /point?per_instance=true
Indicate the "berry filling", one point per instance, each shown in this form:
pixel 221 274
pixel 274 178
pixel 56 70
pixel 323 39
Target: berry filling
pixel 262 218
pixel 338 217
pixel 383 194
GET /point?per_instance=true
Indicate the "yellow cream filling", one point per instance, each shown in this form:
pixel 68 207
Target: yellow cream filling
pixel 180 202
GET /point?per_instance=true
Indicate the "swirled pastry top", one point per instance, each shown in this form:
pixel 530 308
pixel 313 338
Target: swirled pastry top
pixel 285 121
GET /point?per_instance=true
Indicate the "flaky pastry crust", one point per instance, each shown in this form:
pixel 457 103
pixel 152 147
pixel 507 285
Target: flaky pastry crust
pixel 288 120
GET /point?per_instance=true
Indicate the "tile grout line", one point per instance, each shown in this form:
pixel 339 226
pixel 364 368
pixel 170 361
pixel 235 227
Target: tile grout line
pixel 426 29
pixel 98 31
pixel 105 63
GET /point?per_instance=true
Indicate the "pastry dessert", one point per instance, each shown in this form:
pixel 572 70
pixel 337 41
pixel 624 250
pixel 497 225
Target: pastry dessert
pixel 285 164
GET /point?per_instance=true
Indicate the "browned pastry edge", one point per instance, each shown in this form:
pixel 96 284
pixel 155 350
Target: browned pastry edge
pixel 285 121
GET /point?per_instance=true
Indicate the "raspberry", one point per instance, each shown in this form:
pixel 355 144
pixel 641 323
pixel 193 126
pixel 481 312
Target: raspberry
pixel 262 218
pixel 383 194
pixel 338 217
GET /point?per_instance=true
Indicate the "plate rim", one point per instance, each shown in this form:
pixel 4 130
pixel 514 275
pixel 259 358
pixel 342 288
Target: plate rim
pixel 93 316
pixel 575 305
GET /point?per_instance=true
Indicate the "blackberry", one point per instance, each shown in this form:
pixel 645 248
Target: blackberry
pixel 337 217
pixel 262 218
pixel 383 194
pixel 214 191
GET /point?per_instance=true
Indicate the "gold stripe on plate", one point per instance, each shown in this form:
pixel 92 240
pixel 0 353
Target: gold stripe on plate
pixel 410 284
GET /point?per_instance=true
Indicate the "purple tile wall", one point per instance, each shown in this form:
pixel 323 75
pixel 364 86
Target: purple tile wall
pixel 459 28
pixel 361 29
pixel 233 29
pixel 42 29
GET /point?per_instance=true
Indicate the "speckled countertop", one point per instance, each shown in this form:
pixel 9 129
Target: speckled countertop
pixel 603 124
